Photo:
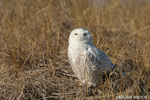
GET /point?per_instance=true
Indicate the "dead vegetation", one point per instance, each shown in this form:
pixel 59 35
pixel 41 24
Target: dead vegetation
pixel 34 40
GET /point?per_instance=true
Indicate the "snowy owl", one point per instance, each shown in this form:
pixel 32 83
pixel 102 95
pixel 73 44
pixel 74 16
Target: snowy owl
pixel 87 61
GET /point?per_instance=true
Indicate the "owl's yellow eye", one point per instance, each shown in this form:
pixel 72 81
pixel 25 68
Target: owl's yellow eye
pixel 84 34
pixel 75 34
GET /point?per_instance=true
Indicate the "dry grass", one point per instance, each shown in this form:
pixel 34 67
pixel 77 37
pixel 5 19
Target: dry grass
pixel 34 40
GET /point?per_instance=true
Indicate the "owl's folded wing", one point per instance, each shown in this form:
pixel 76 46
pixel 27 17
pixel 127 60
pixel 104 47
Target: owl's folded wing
pixel 98 60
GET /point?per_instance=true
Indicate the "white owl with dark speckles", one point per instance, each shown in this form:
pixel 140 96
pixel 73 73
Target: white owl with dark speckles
pixel 86 60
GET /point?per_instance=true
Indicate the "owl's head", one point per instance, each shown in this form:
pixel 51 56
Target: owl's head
pixel 80 36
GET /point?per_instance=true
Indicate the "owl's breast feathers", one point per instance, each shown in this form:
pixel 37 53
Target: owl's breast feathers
pixel 91 56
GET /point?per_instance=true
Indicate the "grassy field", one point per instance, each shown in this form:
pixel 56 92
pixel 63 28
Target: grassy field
pixel 34 41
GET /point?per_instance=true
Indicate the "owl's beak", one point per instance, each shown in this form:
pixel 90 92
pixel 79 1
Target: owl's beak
pixel 81 39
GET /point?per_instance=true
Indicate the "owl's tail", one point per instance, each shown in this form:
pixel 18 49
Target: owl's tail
pixel 114 67
pixel 121 72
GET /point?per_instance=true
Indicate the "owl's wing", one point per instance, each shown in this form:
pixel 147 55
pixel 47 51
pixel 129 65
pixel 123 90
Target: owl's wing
pixel 98 60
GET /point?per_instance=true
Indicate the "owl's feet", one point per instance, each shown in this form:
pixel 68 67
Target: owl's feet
pixel 88 84
pixel 88 89
pixel 92 85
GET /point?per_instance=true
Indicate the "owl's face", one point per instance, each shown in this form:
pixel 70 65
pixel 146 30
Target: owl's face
pixel 80 36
